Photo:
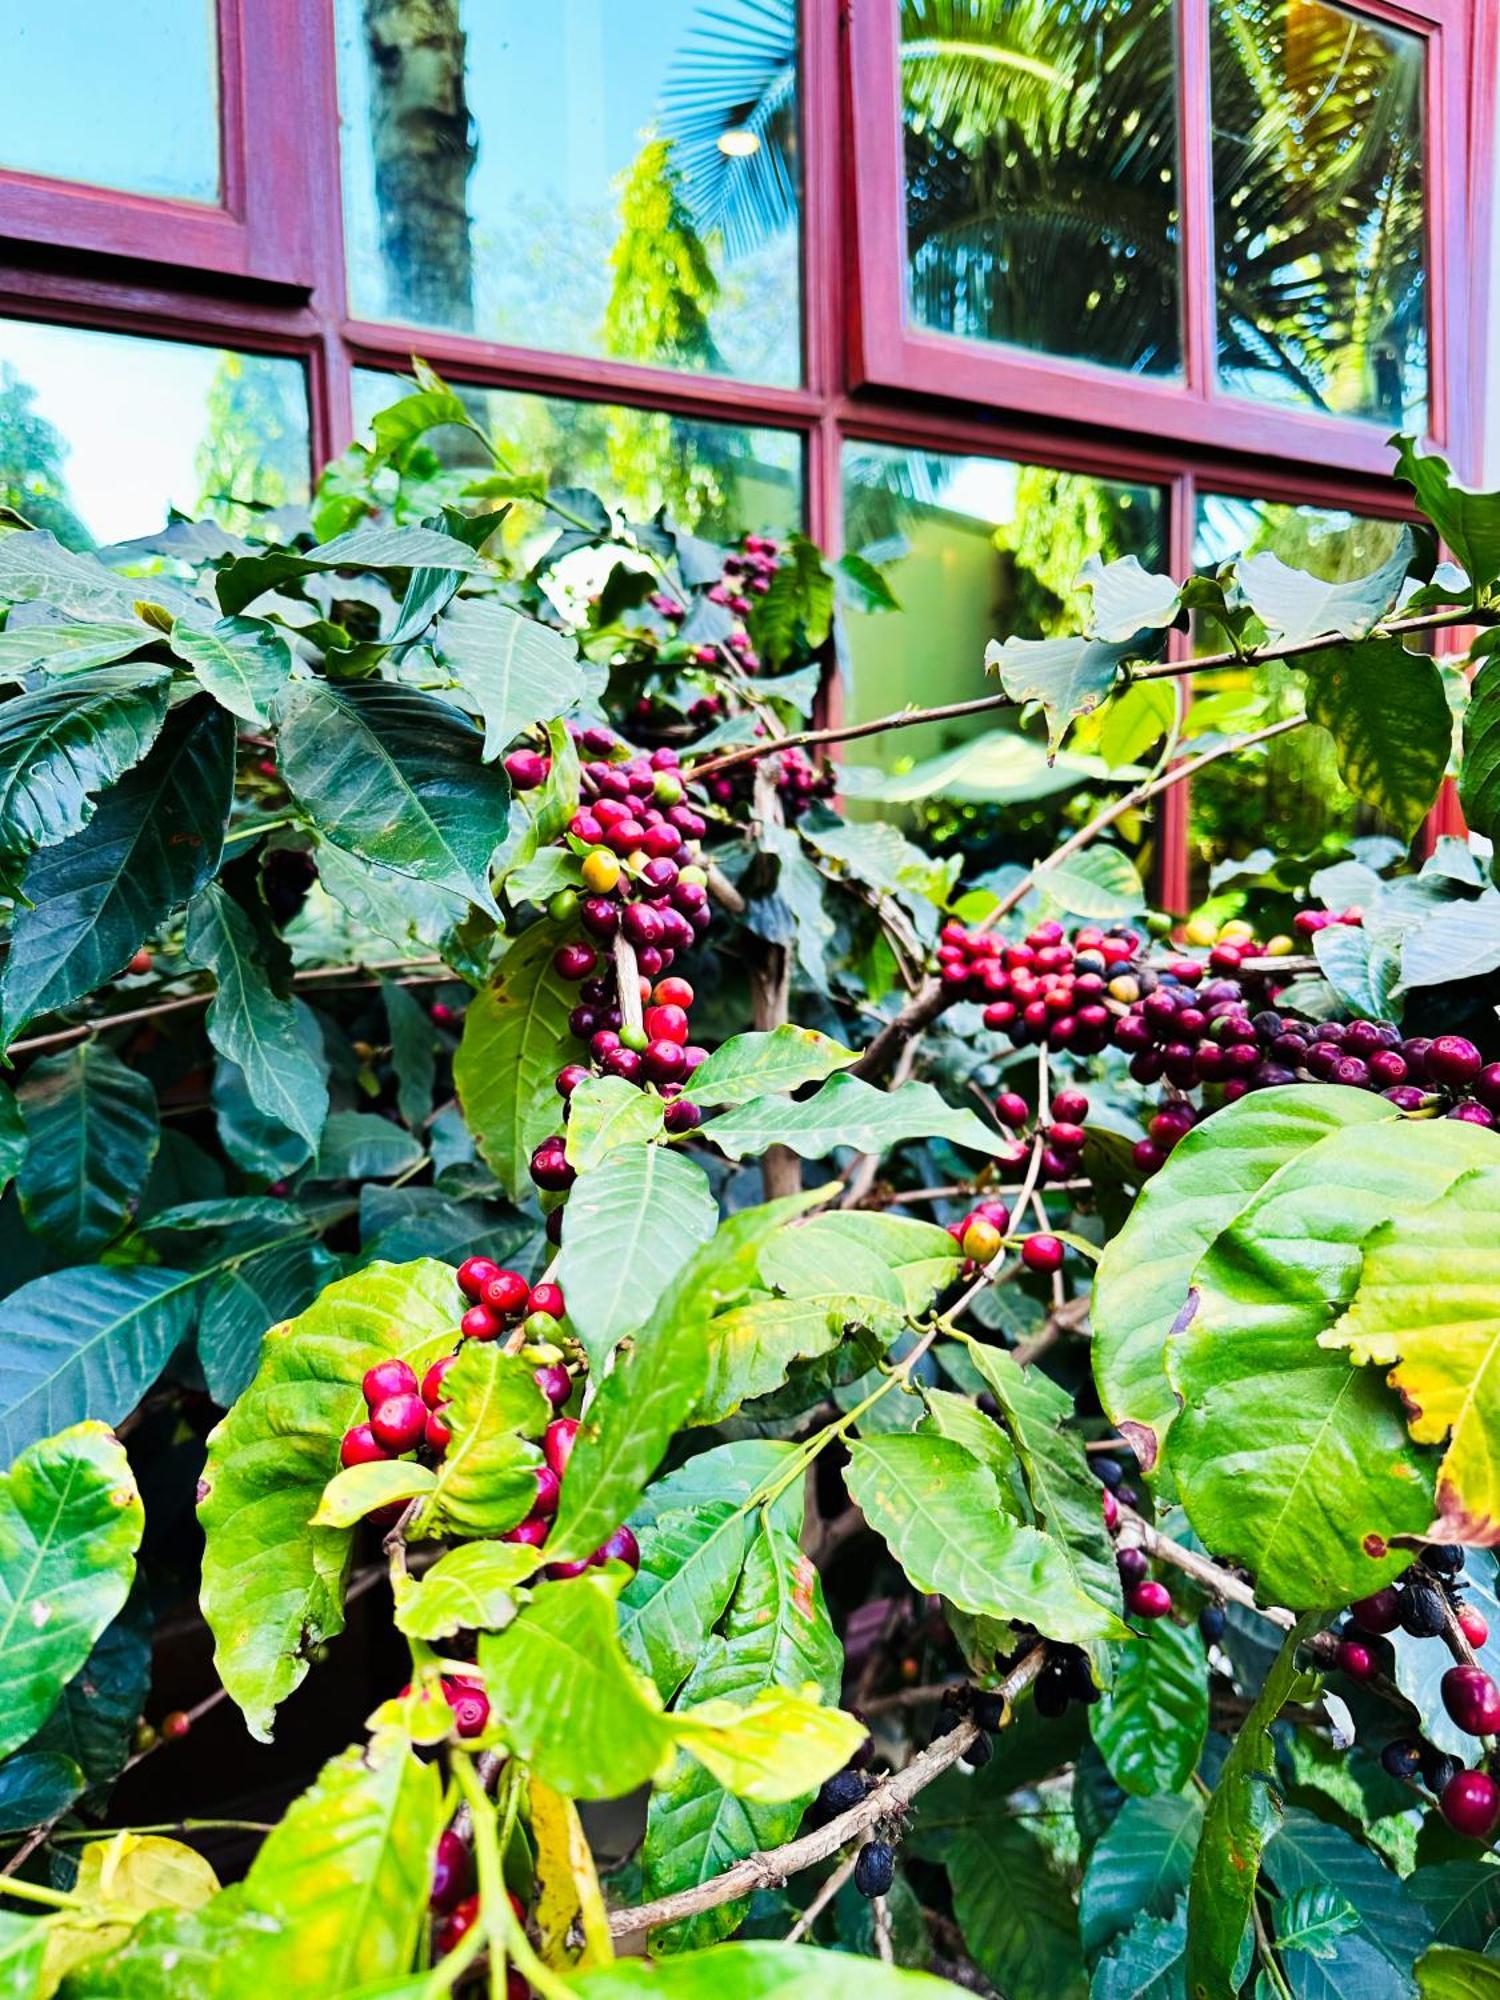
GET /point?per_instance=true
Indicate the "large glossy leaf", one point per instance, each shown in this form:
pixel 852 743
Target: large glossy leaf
pixel 272 1586
pixel 244 663
pixel 414 1049
pixel 605 1113
pixel 35 567
pixel 940 1512
pixel 1295 606
pixel 690 1564
pixel 777 1634
pixel 70 1524
pixel 1240 1818
pixel 1459 940
pixel 1287 1458
pixel 1446 1973
pixel 468 1588
pixel 1143 1278
pixel 847 1112
pixel 71 649
pixel 87 1340
pixel 630 1225
pixel 1126 598
pixel 94 1721
pixel 759 1972
pixel 91 1135
pixel 36 1785
pixel 486 1481
pixel 154 840
pixel 1468 522
pixel 1372 1961
pixel 1016 1912
pixel 1479 772
pixel 360 1145
pixel 395 776
pixel 1069 677
pixel 366 548
pixel 1101 882
pixel 1461 1899
pixel 517 671
pixel 60 746
pixel 255 1288
pixel 12 1137
pixel 249 1022
pixel 1151 1724
pixel 1388 715
pixel 515 1040
pixel 1140 1864
pixel 750 1066
pixel 1428 1308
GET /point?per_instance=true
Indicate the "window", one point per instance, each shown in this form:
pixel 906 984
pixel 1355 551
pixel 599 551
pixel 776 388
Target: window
pixel 102 435
pixel 589 178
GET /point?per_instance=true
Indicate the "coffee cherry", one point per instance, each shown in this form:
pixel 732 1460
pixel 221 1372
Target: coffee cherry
pixel 1211 1623
pixel 1050 1693
pixel 1109 1472
pixel 507 1294
pixel 551 1168
pixel 436 1434
pixel 1378 1613
pixel 681 1116
pixel 1356 1660
pixel 555 1383
pixel 1446 1558
pixel 1042 1253
pixel 978 1753
pixel 601 871
pixel 432 1381
pixel 547 1298
pixel 1012 1109
pixel 387 1378
pixel 360 1446
pixel 875 1870
pixel 1149 1600
pixel 1453 1060
pixel 399 1422
pixel 1437 1769
pixel 470 1706
pixel 1470 1803
pixel 474 1273
pixel 452 1871
pixel 673 993
pixel 981 1240
pixel 1402 1759
pixel 479 1323
pixel 843 1791
pixel 1422 1611
pixel 531 1532
pixel 548 1487
pixel 1472 1699
pixel 526 769
pixel 176 1725
pixel 1472 1624
pixel 1109 1507
pixel 1071 1106
pixel 621 1546
pixel 557 1443
pixel 1133 1564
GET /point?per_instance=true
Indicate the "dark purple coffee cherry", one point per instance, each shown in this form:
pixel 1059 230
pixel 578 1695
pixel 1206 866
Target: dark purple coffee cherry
pixel 875 1870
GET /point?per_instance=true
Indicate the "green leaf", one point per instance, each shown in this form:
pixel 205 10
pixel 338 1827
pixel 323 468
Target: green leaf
pixel 1069 677
pixel 93 1724
pixel 1313 1920
pixel 36 1785
pixel 71 649
pixel 90 1338
pixel 1445 1973
pixel 1389 719
pixel 1286 1458
pixel 750 1066
pixel 60 746
pixel 777 1634
pixel 414 1047
pixel 34 566
pixel 23 1947
pixel 1100 882
pixel 249 1023
pixel 874 852
pixel 690 1564
pixel 395 776
pixel 1127 598
pixel 244 663
pixel 1152 1724
pixel 402 423
pixel 939 1511
pixel 1142 1281
pixel 1140 1864
pixel 12 1137
pixel 606 1112
pixel 1373 1955
pixel 1146 1963
pixel 1461 1900
pixel 516 670
pixel 629 1227
pixel 798 603
pixel 486 1481
pixel 470 1588
pixel 1468 522
pixel 846 1111
pixel 1295 607
pixel 359 1490
pixel 1240 1818
pixel 273 1586
pixel 70 1524
pixel 758 1972
pixel 91 1135
pixel 780 1747
pixel 154 840
pixel 1015 1912
pixel 255 1288
pixel 1479 771
pixel 515 1039
pixel 240 582
pixel 362 1146
pixel 1461 940
pixel 1362 969
pixel 801 916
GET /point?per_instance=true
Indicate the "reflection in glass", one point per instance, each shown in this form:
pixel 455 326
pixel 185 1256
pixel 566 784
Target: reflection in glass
pixel 114 96
pixel 1041 175
pixel 102 434
pixel 1319 209
pixel 587 177
pixel 992 549
pixel 1288 797
pixel 719 480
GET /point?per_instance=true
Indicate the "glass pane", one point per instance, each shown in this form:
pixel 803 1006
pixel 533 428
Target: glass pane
pixel 1288 799
pixel 115 96
pixel 720 480
pixel 983 549
pixel 101 434
pixel 1041 175
pixel 1319 209
pixel 588 177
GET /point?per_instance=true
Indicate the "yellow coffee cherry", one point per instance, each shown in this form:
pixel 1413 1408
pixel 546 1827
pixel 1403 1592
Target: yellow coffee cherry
pixel 1201 931
pixel 1236 931
pixel 1280 946
pixel 601 870
pixel 981 1240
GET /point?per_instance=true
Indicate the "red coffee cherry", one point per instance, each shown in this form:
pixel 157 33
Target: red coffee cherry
pixel 1356 1660
pixel 673 993
pixel 479 1323
pixel 1472 1699
pixel 1042 1253
pixel 176 1725
pixel 1470 1803
pixel 436 1434
pixel 1378 1613
pixel 1071 1106
pixel 455 1927
pixel 388 1378
pixel 361 1447
pixel 557 1443
pixel 1472 1624
pixel 470 1705
pixel 547 1298
pixel 432 1381
pixel 526 769
pixel 507 1293
pixel 621 1546
pixel 555 1383
pixel 548 1487
pixel 531 1532
pixel 474 1273
pixel 1148 1600
pixel 399 1422
pixel 452 1871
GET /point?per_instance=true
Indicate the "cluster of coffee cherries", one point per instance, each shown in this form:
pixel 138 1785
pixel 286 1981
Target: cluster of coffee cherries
pixel 746 575
pixel 1145 1595
pixel 1048 988
pixel 455 1905
pixel 798 782
pixel 1428 1603
pixel 1062 1135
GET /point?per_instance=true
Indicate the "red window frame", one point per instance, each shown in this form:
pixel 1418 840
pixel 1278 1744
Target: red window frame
pixel 892 353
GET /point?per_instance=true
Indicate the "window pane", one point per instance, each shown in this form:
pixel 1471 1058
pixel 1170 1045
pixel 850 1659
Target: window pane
pixel 1041 175
pixel 587 177
pixel 1288 798
pixel 1319 209
pixel 991 549
pixel 101 434
pixel 115 96
pixel 720 480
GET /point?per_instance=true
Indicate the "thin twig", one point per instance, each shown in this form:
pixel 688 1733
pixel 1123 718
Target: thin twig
pixel 823 1898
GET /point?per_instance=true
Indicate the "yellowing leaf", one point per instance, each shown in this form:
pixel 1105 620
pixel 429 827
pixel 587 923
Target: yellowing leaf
pixel 123 1878
pixel 776 1748
pixel 569 1903
pixel 1428 1308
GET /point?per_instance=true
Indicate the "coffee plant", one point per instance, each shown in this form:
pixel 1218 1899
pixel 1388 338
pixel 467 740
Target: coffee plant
pixel 848 1414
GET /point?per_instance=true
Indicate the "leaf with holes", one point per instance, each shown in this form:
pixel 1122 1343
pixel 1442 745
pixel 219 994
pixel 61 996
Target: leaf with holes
pixel 91 1134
